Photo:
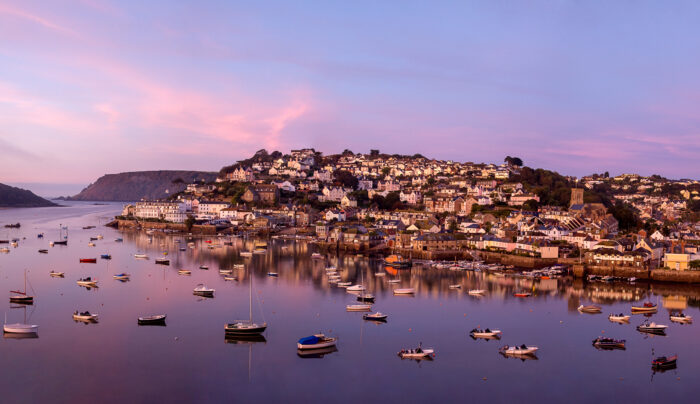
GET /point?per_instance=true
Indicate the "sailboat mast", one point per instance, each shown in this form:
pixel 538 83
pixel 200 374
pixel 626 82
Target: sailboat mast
pixel 250 295
pixel 25 281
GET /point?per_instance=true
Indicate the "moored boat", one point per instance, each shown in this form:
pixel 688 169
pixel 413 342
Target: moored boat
pixel 375 316
pixel 619 318
pixel 404 291
pixel 316 341
pixel 246 254
pixel 652 328
pixel 522 294
pixel 680 318
pixel 609 343
pixel 664 362
pixel 56 274
pixel 477 292
pixel 201 290
pixel 184 272
pixel 121 277
pixel 89 282
pixel 518 350
pixel 397 261
pixel 106 256
pixel 343 284
pixel 358 307
pixel 591 309
pixel 88 260
pixel 416 353
pixel 647 307
pixel 366 297
pixel 157 319
pixel 85 316
pixel 43 251
pixel 355 288
pixel 162 261
pixel 486 334
pixel 140 256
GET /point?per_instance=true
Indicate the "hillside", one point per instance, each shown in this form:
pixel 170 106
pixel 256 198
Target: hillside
pixel 137 185
pixel 11 197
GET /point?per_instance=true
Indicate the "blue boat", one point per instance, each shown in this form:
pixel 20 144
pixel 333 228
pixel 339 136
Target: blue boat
pixel 118 240
pixel 106 257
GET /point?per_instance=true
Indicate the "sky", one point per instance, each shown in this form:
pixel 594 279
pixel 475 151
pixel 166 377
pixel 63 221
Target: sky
pixel 90 87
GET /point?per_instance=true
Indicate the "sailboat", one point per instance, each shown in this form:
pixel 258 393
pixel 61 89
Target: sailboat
pixel 62 240
pixel 22 297
pixel 246 327
pixel 20 328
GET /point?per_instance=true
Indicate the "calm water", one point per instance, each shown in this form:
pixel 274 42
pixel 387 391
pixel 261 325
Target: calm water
pixel 189 360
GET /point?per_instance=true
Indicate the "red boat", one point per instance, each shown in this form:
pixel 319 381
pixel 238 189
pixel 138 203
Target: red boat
pixel 663 362
pixel 88 260
pixel 522 294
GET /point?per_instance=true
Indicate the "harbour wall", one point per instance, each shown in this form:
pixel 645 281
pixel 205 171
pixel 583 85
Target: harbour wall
pixel 656 275
pixel 179 227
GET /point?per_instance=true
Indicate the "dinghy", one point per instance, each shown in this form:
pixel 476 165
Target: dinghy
pixel 184 272
pixel 648 307
pixel 121 277
pixel 522 294
pixel 356 288
pixel 518 350
pixel 56 274
pixel 393 281
pixel 85 316
pixel 358 307
pixel 246 254
pixel 619 318
pixel 664 363
pixel 375 316
pixel 592 309
pixel 344 284
pixel 140 256
pixel 205 267
pixel 455 287
pixel 162 261
pixel 88 260
pixel 404 291
pixel 43 251
pixel 158 319
pixel 316 341
pixel 225 271
pixel 477 292
pixel 88 282
pixel 106 257
pixel 202 290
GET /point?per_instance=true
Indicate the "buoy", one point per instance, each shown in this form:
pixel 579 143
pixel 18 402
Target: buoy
pixel 409 330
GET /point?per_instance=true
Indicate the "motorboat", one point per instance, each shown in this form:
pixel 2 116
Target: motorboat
pixel 664 362
pixel 647 307
pixel 486 334
pixel 397 261
pixel 259 250
pixel 246 254
pixel 121 277
pixel 56 274
pixel 5 250
pixel 225 271
pixel 591 309
pixel 141 256
pixel 316 341
pixel 201 290
pixel 184 272
pixel 681 318
pixel 375 316
pixel 609 343
pixel 455 286
pixel 344 284
pixel 522 294
pixel 43 251
pixel 162 261
pixel 355 288
pixel 89 282
pixel 366 297
pixel 106 256
pixel 273 274
pixel 652 328
pixel 619 318
pixel 477 292
pixel 119 240
pixel 316 256
pixel 85 316
pixel 518 350
pixel 88 260
pixel 157 319
pixel 358 307
pixel 404 291
pixel 416 353
pixel 392 281
pixel 205 267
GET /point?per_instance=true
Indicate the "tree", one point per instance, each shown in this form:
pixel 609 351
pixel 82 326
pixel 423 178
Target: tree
pixel 374 152
pixel 189 222
pixel 625 215
pixel 385 171
pixel 345 178
pixel 530 205
pixel 178 180
pixel 514 161
pixel 694 264
pixel 606 175
pixel 348 152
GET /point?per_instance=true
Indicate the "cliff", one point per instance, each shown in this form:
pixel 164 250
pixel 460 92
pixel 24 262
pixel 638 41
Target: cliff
pixel 11 197
pixel 134 186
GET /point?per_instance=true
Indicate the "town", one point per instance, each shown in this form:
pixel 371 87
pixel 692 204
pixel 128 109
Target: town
pixel 422 208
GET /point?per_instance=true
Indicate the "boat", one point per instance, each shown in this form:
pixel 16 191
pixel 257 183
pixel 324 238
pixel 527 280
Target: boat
pixel 476 292
pixel 375 316
pixel 316 341
pixel 259 250
pixel 273 274
pixel 5 250
pixel 119 240
pixel 344 284
pixel 380 274
pixel 592 309
pixel 238 266
pixel 225 271
pixel 521 350
pixel 397 261
pixel 366 297
pixel 664 362
pixel 106 256
pixel 88 282
pixel 393 281
pixel 184 272
pixel 21 296
pixel 12 226
pixel 246 254
pixel 88 227
pixel 56 274
pixel 404 291
pixel 230 278
pixel 183 248
pixel 157 319
pixel 88 260
pixel 316 256
pixel 358 307
pixel 20 328
pixel 246 327
pixel 455 286
pixel 609 343
pixel 201 290
pixel 91 244
pixel 40 235
pixel 648 307
pixel 652 328
pixel 522 294
pixel 355 288
pixel 99 237
pixel 417 353
pixel 206 267
pixel 85 316
pixel 681 318
pixel 619 318
pixel 486 334
pixel 121 277
pixel 140 256
pixel 162 261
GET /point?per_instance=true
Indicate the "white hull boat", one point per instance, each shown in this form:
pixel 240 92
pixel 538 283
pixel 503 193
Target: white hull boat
pixel 485 333
pixel 404 291
pixel 681 319
pixel 84 316
pixel 518 350
pixel 393 281
pixel 246 254
pixel 418 353
pixel 358 307
pixel 140 256
pixel 18 328
pixel 356 288
pixel 316 341
pixel 620 318
pixel 57 274
pixel 477 292
pixel 455 286
pixel 87 282
pixel 344 284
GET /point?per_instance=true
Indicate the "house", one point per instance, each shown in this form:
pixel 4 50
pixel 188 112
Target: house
pixel 263 193
pixel 348 201
pixel 335 214
pixel 240 174
pixel 332 194
pixel 676 261
pixel 169 211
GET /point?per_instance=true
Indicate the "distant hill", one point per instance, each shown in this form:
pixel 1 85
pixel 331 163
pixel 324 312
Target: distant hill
pixel 11 197
pixel 137 185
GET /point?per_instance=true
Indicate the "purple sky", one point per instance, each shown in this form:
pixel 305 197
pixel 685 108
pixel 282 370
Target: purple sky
pixel 92 87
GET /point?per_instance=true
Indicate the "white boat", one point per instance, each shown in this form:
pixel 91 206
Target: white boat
pixel 344 284
pixel 238 266
pixel 121 277
pixel 455 286
pixel 417 353
pixel 681 318
pixel 225 271
pixel 202 290
pixel 87 282
pixel 140 256
pixel 652 327
pixel 393 281
pixel 158 319
pixel 619 318
pixel 259 251
pixel 56 274
pixel 476 292
pixel 316 256
pixel 230 278
pixel 246 254
pixel 19 328
pixel 487 333
pixel 331 269
pixel 84 316
pixel 591 309
pixel 184 272
pixel 380 274
pixel 99 237
pixel 358 307
pixel 5 250
pixel 316 341
pixel 404 291
pixel 91 244
pixel 518 350
pixel 356 288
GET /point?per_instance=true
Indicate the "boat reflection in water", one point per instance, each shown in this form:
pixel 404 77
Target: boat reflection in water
pixel 244 339
pixel 316 353
pixel 8 335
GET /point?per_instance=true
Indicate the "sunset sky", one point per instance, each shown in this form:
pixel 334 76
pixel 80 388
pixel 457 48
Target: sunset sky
pixel 92 87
